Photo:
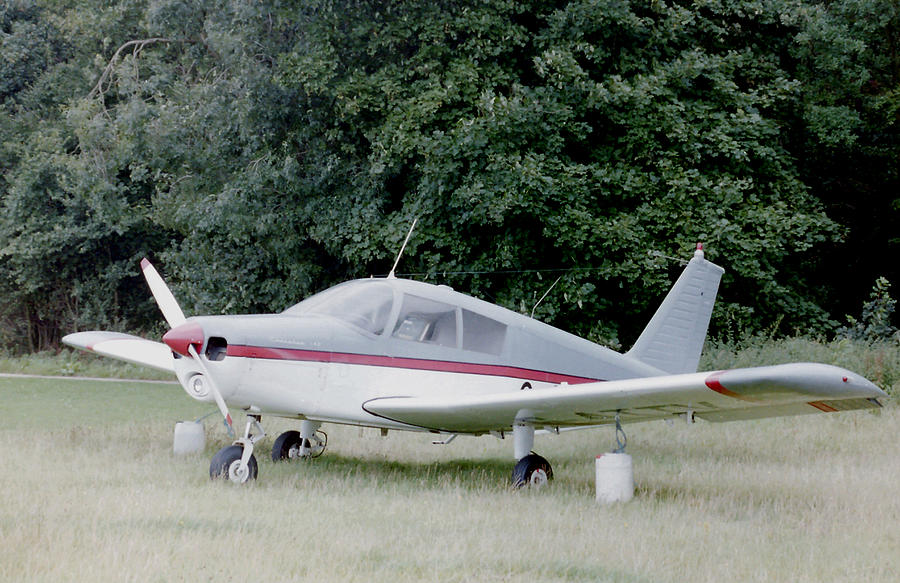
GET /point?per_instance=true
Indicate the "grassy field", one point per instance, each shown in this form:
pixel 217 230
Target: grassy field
pixel 91 491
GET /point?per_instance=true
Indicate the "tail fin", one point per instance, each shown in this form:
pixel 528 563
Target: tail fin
pixel 673 339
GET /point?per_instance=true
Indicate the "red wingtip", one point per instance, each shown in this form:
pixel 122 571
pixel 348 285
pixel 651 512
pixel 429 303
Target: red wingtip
pixel 144 263
pixel 699 246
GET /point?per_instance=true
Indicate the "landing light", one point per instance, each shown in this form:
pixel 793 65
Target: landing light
pixel 197 387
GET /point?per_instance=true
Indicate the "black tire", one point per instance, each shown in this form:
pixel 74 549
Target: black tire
pixel 281 449
pixel 526 467
pixel 223 465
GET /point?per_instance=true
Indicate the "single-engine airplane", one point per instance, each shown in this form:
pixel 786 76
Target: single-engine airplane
pixel 392 353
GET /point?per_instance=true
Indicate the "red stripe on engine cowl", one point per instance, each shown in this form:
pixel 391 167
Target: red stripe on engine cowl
pixel 400 362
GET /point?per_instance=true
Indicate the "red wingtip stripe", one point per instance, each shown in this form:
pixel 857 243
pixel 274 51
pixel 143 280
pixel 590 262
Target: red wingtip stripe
pixel 144 263
pixel 713 382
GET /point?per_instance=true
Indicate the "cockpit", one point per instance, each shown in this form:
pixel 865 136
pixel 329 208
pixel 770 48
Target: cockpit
pixel 361 304
pixel 369 305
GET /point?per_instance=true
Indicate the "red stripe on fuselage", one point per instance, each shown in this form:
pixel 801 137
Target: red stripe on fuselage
pixel 400 362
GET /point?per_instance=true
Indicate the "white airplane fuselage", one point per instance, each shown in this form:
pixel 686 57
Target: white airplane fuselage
pixel 401 354
pixel 324 360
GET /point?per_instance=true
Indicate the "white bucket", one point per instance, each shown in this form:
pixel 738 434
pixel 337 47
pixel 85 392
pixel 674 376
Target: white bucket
pixel 189 438
pixel 615 478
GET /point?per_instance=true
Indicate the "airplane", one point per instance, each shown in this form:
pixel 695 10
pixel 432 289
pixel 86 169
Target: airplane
pixel 399 354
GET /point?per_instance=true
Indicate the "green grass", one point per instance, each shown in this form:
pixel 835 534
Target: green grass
pixel 76 363
pixel 91 491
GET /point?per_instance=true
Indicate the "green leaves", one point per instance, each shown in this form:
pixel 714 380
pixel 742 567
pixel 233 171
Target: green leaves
pixel 263 151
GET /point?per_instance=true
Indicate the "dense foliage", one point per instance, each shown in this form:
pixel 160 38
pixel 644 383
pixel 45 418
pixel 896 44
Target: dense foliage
pixel 260 151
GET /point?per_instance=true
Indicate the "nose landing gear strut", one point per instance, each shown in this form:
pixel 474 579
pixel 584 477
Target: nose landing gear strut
pixel 236 462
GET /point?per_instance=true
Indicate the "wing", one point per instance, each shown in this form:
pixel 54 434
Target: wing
pixel 748 393
pixel 125 347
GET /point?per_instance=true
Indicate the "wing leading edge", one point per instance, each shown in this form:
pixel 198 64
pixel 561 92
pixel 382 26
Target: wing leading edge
pixel 749 393
pixel 125 347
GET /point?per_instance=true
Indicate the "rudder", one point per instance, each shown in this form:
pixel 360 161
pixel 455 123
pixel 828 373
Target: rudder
pixel 673 339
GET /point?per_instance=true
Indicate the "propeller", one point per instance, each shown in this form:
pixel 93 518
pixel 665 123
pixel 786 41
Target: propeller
pixel 226 416
pixel 184 337
pixel 167 303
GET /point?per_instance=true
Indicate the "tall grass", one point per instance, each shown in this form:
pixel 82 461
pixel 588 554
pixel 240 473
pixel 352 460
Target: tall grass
pixel 91 491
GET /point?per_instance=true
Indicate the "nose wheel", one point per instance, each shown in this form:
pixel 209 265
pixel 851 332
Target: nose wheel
pixel 236 462
pixel 227 465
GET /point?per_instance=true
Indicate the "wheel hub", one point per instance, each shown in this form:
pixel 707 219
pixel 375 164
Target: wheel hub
pixel 538 478
pixel 238 473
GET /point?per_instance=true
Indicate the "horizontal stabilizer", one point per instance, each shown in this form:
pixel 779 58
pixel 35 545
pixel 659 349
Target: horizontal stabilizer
pixel 767 391
pixel 133 349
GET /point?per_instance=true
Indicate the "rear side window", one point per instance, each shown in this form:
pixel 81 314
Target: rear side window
pixel 481 334
pixel 423 320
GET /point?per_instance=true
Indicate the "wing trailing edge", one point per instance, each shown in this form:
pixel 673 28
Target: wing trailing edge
pixel 133 349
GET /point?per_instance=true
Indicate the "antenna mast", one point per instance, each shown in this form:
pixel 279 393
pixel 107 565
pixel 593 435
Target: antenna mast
pixel 402 249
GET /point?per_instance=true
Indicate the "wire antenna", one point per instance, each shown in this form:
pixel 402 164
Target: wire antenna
pixel 402 249
pixel 546 293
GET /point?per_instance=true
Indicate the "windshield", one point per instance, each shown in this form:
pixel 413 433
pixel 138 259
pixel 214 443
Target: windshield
pixel 363 304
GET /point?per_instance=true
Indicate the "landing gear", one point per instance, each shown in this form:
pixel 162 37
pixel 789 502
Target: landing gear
pixel 531 470
pixel 227 464
pixel 307 443
pixel 236 463
pixel 286 446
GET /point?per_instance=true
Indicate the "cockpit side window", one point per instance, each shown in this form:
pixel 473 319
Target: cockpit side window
pixel 482 334
pixel 423 320
pixel 366 306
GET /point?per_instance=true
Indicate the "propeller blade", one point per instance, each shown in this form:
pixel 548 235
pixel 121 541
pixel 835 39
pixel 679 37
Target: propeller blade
pixel 167 303
pixel 214 390
pixel 171 311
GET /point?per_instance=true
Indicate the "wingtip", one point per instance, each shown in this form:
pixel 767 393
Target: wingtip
pixel 144 263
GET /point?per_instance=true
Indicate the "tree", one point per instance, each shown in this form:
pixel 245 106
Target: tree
pixel 263 151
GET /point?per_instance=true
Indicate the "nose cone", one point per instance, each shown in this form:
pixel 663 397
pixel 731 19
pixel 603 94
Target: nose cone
pixel 180 338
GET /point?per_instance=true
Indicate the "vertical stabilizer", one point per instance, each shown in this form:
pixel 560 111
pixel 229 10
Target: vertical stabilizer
pixel 673 339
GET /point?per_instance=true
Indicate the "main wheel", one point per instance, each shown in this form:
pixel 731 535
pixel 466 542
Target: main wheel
pixel 532 471
pixel 287 446
pixel 226 465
